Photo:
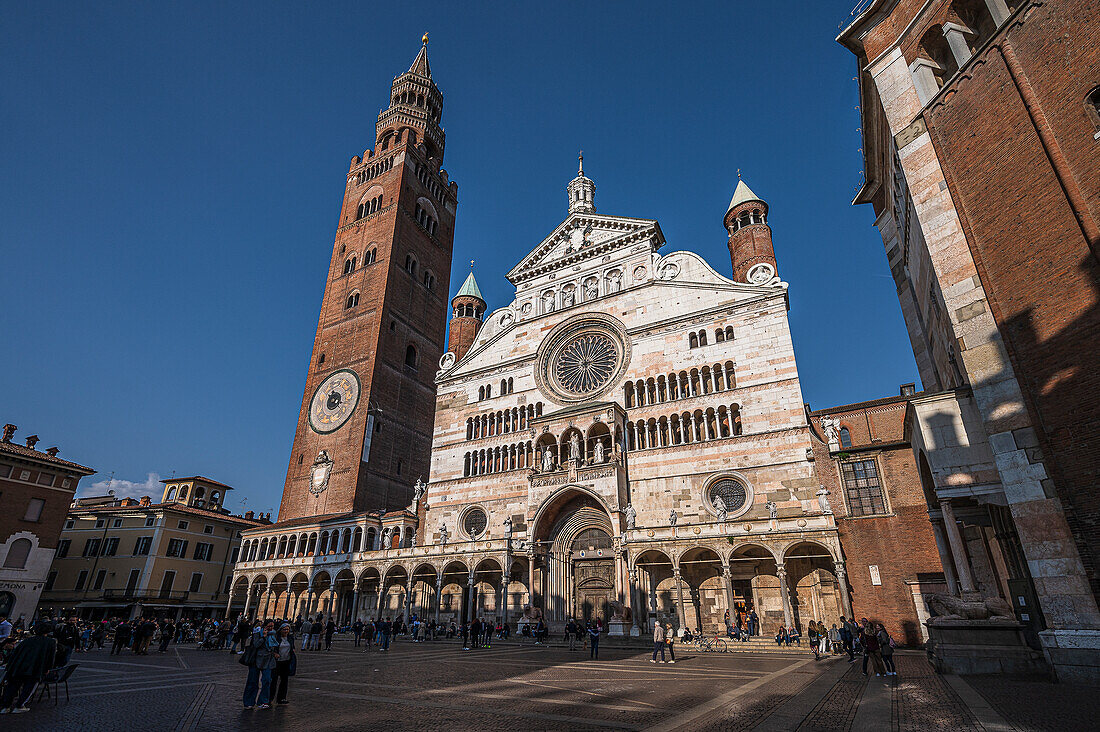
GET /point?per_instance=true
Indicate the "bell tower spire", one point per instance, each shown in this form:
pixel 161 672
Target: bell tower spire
pixel 750 242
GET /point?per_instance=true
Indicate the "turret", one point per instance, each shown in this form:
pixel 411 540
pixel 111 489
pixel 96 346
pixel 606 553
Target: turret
pixel 582 191
pixel 750 241
pixel 467 312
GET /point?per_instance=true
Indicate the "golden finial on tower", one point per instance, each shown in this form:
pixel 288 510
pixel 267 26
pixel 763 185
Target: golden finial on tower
pixel 471 265
pixel 738 174
pixel 424 40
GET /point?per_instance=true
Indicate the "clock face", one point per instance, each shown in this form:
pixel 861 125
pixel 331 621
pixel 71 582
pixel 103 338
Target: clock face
pixel 334 401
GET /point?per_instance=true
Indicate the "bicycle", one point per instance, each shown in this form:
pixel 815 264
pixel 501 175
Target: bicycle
pixel 710 645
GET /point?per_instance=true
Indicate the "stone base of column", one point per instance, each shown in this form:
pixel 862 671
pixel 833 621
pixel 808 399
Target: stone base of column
pixel 616 627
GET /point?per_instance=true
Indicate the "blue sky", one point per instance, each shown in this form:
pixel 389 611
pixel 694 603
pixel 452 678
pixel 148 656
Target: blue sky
pixel 172 175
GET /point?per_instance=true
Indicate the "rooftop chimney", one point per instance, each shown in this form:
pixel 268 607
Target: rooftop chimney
pixel 9 432
pixel 32 441
pixel 249 514
pixel 52 451
pixel 144 501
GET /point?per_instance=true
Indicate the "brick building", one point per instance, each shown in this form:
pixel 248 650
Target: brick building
pixel 365 426
pixel 122 557
pixel 981 127
pixel 866 463
pixel 36 489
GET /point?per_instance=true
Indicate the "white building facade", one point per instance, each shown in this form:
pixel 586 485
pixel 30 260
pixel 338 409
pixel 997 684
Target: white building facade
pixel 625 440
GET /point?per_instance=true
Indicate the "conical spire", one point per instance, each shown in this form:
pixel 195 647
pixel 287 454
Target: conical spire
pixel 420 65
pixel 741 194
pixel 470 289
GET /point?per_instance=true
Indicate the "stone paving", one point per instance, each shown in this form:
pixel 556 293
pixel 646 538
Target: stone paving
pixel 437 686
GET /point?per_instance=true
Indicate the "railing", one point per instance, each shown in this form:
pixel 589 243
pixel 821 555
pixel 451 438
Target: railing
pixel 139 595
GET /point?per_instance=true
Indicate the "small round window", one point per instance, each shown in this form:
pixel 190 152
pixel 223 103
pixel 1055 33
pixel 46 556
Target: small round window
pixel 474 522
pixel 731 492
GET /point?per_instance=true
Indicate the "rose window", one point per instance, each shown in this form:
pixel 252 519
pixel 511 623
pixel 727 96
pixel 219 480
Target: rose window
pixel 474 522
pixel 585 364
pixel 731 492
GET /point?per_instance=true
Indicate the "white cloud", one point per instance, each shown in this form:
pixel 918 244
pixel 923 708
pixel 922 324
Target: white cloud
pixel 152 487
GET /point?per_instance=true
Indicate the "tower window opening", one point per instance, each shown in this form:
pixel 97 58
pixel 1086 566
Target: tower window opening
pixel 1092 109
pixel 410 357
pixel 352 301
pixel 370 257
pixel 349 266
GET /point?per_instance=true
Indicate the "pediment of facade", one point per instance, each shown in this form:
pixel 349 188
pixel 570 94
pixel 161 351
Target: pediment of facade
pixel 582 237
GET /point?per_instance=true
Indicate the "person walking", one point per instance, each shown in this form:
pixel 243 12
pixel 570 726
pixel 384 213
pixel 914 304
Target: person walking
pixel 27 666
pixel 670 641
pixel 834 639
pixel 475 633
pixel 261 658
pixel 67 639
pixel 387 630
pixel 871 649
pixel 286 663
pixel 167 633
pixel 886 650
pixel 811 631
pixel 123 634
pixel 658 643
pixel 571 634
pixel 357 630
pixel 847 639
pixel 464 630
pixel 315 631
pixel 754 623
pixel 329 630
pixel 307 633
pixel 594 641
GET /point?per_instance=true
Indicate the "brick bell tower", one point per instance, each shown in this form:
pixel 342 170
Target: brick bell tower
pixel 365 426
pixel 750 240
pixel 467 315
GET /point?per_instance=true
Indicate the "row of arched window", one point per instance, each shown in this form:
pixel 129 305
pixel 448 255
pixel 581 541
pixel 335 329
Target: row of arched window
pixel 414 99
pixel 424 175
pixel 502 422
pixel 682 385
pixel 337 541
pixel 499 459
pixel 755 216
pixel 425 219
pixel 945 48
pixel 699 337
pixel 468 311
pixel 351 262
pixel 395 138
pixel 684 428
pixel 373 170
pixel 366 208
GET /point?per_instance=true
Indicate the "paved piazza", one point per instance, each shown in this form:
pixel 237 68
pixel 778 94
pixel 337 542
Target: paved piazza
pixel 437 686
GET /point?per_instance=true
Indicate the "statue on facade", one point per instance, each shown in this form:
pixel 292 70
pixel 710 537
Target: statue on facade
pixel 831 428
pixel 508 526
pixel 575 446
pixel 773 509
pixel 566 298
pixel 720 509
pixel 547 460
pixel 823 500
pixel 620 613
pixel 419 489
pixel 443 533
pixel 591 291
pixel 597 452
pixel 631 516
pixel 672 518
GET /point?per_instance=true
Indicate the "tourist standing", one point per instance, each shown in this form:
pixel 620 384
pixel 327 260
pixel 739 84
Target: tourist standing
pixel 846 638
pixel 812 632
pixel 594 641
pixel 261 657
pixel 571 634
pixel 387 629
pixel 315 630
pixel 286 662
pixel 464 629
pixel 475 633
pixel 67 638
pixel 123 634
pixel 670 640
pixel 886 649
pixel 307 634
pixel 167 632
pixel 357 630
pixel 329 630
pixel 27 666
pixel 754 623
pixel 871 649
pixel 658 642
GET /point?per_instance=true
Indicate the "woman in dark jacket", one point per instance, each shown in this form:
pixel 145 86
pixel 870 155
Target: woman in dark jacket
pixel 286 662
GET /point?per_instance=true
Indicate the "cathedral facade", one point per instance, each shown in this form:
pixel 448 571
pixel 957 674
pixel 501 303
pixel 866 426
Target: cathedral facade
pixel 626 440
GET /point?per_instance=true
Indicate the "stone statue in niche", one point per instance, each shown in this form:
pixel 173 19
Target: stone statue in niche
pixel 598 456
pixel 773 509
pixel 547 460
pixel 591 291
pixel 575 446
pixel 508 526
pixel 631 516
pixel 672 518
pixel 614 282
pixel 442 533
pixel 566 298
pixel 548 302
pixel 823 500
